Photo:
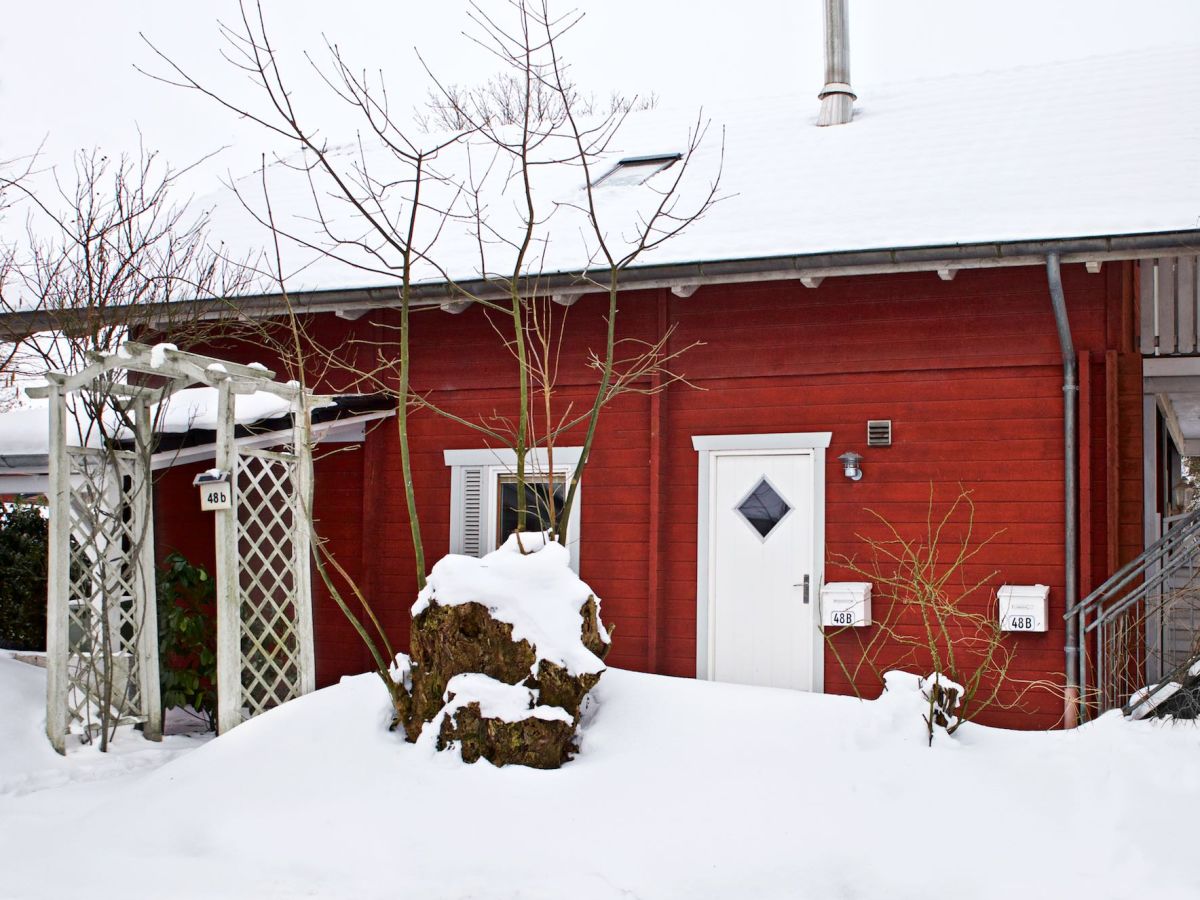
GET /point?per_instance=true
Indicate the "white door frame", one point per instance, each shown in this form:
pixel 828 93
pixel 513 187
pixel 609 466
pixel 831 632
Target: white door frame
pixel 710 445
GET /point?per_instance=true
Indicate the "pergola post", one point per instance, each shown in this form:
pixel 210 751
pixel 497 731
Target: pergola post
pixel 301 541
pixel 143 520
pixel 58 577
pixel 229 617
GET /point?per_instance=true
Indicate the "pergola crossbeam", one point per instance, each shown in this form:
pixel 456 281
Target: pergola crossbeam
pixel 143 354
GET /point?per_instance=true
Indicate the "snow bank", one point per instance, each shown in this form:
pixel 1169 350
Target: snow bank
pixel 684 790
pixel 536 592
pixel 28 762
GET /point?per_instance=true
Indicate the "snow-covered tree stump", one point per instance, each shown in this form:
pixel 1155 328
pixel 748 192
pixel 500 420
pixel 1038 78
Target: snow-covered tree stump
pixel 504 651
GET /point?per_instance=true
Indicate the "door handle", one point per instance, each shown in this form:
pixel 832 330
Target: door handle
pixel 803 584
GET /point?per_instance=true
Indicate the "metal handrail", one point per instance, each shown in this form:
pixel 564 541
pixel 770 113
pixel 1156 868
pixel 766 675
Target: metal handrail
pixel 1155 565
pixel 1187 526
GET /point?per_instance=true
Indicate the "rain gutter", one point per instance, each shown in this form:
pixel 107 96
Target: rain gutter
pixel 683 278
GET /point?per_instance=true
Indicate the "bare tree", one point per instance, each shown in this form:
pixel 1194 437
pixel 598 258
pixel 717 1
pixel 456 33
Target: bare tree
pixel 552 131
pixel 106 256
pixel 501 100
pixel 13 173
pixel 105 259
pixel 385 203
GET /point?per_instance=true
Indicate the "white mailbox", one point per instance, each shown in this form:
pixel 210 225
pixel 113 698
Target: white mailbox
pixel 846 603
pixel 1023 607
pixel 215 492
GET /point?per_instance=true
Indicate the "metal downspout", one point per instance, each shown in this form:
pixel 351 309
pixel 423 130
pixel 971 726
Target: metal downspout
pixel 1071 482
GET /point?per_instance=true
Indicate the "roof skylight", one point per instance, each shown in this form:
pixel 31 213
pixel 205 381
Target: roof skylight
pixel 637 169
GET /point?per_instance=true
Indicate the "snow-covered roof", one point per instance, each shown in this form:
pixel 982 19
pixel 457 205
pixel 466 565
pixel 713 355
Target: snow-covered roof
pixel 1092 148
pixel 25 432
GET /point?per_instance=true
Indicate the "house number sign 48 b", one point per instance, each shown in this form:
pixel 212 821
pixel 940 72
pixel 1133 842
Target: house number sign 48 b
pixel 215 496
pixel 215 491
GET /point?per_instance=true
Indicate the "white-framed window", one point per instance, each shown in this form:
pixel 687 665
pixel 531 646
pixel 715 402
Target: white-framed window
pixel 483 496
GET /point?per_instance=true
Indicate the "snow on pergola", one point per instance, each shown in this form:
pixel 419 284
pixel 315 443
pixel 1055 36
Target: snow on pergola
pixel 101 628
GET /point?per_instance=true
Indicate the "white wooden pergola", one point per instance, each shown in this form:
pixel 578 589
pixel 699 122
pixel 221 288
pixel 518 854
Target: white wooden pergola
pixel 101 627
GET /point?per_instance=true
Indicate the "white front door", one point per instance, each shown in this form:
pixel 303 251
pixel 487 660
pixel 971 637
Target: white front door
pixel 762 579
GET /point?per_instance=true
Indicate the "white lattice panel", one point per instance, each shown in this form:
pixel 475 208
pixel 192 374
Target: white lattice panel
pixel 105 612
pixel 267 518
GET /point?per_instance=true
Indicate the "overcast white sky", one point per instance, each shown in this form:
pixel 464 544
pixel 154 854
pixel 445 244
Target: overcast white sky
pixel 67 66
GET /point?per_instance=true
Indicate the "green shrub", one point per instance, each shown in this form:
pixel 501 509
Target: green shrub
pixel 187 629
pixel 24 538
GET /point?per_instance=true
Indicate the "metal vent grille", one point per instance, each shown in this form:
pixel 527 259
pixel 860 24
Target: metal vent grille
pixel 879 432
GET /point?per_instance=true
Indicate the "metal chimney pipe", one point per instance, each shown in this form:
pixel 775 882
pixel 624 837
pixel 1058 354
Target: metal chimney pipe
pixel 837 98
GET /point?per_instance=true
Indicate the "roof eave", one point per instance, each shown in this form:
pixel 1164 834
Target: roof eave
pixel 944 257
pixel 772 268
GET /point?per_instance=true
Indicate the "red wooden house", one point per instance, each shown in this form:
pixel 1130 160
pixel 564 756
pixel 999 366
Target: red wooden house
pixel 883 287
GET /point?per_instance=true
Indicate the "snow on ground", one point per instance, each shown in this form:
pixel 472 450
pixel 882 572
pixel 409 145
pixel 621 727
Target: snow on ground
pixel 683 789
pixel 29 764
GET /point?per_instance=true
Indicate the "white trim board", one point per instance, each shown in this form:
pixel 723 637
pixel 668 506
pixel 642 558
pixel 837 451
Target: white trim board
pixel 796 440
pixel 506 456
pixel 708 446
pixel 24 484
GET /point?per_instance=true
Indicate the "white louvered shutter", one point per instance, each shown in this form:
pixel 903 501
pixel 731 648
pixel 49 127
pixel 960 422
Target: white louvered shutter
pixel 471 507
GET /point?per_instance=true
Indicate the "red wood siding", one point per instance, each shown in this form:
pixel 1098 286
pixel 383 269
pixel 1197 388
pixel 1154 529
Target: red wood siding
pixel 181 526
pixel 969 372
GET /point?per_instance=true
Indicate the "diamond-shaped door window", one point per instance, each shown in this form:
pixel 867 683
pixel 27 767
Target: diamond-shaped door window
pixel 764 508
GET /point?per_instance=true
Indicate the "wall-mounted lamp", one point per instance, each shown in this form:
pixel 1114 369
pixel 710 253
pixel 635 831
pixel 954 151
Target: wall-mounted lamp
pixel 1183 495
pixel 850 465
